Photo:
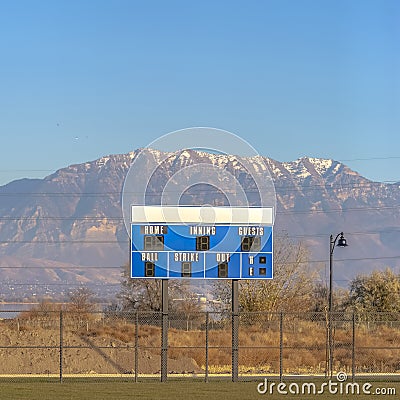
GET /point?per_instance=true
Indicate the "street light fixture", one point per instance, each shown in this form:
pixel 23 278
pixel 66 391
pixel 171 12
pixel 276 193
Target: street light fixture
pixel 342 242
pixel 339 241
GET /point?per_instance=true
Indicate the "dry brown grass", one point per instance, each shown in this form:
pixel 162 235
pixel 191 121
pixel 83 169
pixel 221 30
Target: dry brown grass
pixel 304 342
pixel 304 346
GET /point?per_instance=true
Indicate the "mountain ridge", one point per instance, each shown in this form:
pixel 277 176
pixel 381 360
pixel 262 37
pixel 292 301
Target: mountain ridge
pixel 74 216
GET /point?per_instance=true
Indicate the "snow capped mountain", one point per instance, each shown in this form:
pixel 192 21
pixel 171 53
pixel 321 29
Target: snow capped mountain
pixel 74 215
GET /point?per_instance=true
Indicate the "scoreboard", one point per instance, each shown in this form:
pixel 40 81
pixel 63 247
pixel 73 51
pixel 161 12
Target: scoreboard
pixel 189 242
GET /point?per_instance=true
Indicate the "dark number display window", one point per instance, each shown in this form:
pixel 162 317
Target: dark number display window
pixel 262 271
pixel 149 269
pixel 251 243
pixel 186 270
pixel 202 243
pixel 223 270
pixel 155 243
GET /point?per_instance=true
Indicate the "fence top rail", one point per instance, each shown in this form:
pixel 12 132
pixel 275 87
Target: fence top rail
pixel 359 316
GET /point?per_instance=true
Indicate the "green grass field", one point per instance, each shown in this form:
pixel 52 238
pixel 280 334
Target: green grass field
pixel 177 390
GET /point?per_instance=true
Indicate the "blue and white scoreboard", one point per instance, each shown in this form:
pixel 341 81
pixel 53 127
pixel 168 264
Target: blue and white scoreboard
pixel 189 242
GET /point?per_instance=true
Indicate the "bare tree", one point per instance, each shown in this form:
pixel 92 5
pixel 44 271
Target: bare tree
pixel 377 292
pixel 321 298
pixel 145 294
pixel 189 310
pixel 291 289
pixel 81 300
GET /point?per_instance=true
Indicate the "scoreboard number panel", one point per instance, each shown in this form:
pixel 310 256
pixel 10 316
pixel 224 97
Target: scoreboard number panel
pixel 155 243
pixel 250 243
pixel 236 244
pixel 202 243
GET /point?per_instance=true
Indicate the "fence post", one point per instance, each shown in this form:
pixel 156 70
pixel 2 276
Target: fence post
pixel 136 346
pixel 353 349
pixel 207 321
pixel 61 346
pixel 327 344
pixel 281 347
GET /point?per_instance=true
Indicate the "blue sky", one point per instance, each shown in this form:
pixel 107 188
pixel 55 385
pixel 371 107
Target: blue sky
pixel 83 79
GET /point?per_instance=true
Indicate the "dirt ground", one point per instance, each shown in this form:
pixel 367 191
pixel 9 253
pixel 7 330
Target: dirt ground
pixel 33 350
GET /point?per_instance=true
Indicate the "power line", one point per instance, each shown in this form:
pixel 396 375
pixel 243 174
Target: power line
pixel 126 241
pixel 321 261
pixel 51 218
pixel 371 159
pixel 340 210
pixel 120 218
pixel 339 185
pixel 91 284
pixel 208 190
pixel 353 259
pixel 26 170
pixel 315 235
pixel 62 241
pixel 79 268
pixel 94 162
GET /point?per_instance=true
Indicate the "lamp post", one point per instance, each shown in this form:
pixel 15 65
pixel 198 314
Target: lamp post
pixel 339 241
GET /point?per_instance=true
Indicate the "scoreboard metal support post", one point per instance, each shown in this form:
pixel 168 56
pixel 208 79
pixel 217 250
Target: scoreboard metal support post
pixel 164 330
pixel 235 330
pixel 189 242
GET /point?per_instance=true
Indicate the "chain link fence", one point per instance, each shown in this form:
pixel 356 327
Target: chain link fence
pixel 199 345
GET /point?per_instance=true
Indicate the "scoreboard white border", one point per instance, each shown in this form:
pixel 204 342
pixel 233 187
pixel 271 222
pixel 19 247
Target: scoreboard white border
pixel 209 215
pixel 202 215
